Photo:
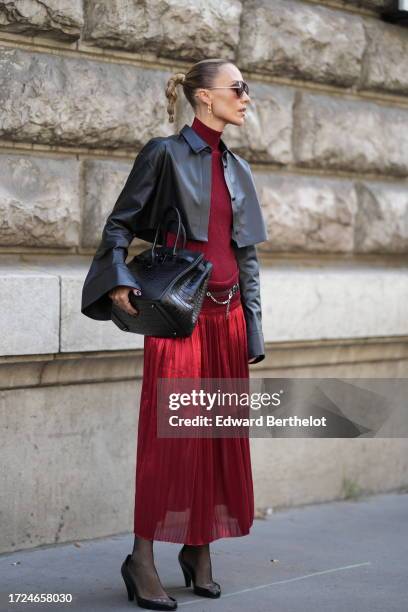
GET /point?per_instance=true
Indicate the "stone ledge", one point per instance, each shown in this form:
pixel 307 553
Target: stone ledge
pixel 48 370
pixel 320 357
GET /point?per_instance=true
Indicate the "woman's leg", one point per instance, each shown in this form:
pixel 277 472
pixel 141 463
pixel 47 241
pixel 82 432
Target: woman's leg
pixel 144 572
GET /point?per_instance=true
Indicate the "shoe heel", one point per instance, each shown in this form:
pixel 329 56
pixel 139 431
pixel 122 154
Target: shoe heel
pixel 129 588
pixel 186 573
pixel 187 577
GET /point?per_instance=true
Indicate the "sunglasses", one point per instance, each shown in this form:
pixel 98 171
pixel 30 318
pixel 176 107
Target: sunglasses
pixel 239 86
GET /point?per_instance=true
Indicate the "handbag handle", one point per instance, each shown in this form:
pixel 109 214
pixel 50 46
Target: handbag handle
pixel 179 227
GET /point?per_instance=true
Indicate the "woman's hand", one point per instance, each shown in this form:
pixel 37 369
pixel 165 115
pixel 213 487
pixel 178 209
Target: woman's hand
pixel 252 360
pixel 120 296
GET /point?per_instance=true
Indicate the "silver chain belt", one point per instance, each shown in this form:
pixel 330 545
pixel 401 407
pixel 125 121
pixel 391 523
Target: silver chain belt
pixel 231 292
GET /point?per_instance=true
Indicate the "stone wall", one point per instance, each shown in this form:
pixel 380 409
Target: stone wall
pixel 81 90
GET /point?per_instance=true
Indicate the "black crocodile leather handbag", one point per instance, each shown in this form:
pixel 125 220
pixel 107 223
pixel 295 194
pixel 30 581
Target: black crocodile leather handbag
pixel 173 283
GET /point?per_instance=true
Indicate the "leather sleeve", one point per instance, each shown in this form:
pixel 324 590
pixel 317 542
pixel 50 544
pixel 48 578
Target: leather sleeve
pixel 108 268
pixel 249 285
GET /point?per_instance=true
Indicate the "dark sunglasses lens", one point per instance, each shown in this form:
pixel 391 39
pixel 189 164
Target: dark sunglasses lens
pixel 242 87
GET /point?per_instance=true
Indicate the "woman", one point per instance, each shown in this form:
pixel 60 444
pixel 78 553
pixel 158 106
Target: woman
pixel 190 490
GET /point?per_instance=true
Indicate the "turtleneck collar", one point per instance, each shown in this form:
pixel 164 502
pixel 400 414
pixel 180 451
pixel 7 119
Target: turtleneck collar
pixel 211 136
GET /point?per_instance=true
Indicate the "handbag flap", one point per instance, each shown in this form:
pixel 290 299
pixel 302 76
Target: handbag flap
pixel 155 279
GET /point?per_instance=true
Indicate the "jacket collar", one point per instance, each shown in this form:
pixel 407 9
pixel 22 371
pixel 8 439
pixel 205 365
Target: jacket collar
pixel 197 143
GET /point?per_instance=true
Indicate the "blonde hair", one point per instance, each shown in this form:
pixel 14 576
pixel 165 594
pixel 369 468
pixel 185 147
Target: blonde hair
pixel 201 74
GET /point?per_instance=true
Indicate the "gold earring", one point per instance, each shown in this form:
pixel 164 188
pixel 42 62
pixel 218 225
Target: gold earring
pixel 209 109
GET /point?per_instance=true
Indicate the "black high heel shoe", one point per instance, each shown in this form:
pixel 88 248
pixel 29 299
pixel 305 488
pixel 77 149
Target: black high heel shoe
pixel 189 575
pixel 150 604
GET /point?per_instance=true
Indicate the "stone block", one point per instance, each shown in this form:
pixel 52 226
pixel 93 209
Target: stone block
pixel 184 30
pixel 338 301
pixel 29 317
pixel 350 135
pixel 80 333
pixel 386 58
pixel 301 40
pixel 381 223
pixel 39 201
pixel 57 19
pixel 74 101
pixel 307 214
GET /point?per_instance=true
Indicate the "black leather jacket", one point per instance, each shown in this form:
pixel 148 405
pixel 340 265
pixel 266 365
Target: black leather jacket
pixel 176 170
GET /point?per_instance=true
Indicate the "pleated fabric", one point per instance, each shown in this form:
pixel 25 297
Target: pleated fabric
pixel 193 490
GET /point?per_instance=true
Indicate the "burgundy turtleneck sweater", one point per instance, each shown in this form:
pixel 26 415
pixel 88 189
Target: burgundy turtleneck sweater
pixel 218 249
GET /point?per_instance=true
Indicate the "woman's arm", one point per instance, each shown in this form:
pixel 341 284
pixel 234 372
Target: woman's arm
pixel 251 300
pixel 108 268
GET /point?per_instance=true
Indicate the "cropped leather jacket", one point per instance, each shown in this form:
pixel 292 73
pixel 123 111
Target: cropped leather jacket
pixel 176 170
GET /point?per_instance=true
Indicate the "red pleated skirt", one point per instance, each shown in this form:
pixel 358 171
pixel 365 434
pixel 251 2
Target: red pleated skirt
pixel 193 490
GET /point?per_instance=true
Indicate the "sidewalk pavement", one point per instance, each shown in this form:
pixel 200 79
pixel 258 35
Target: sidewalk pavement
pixel 333 557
